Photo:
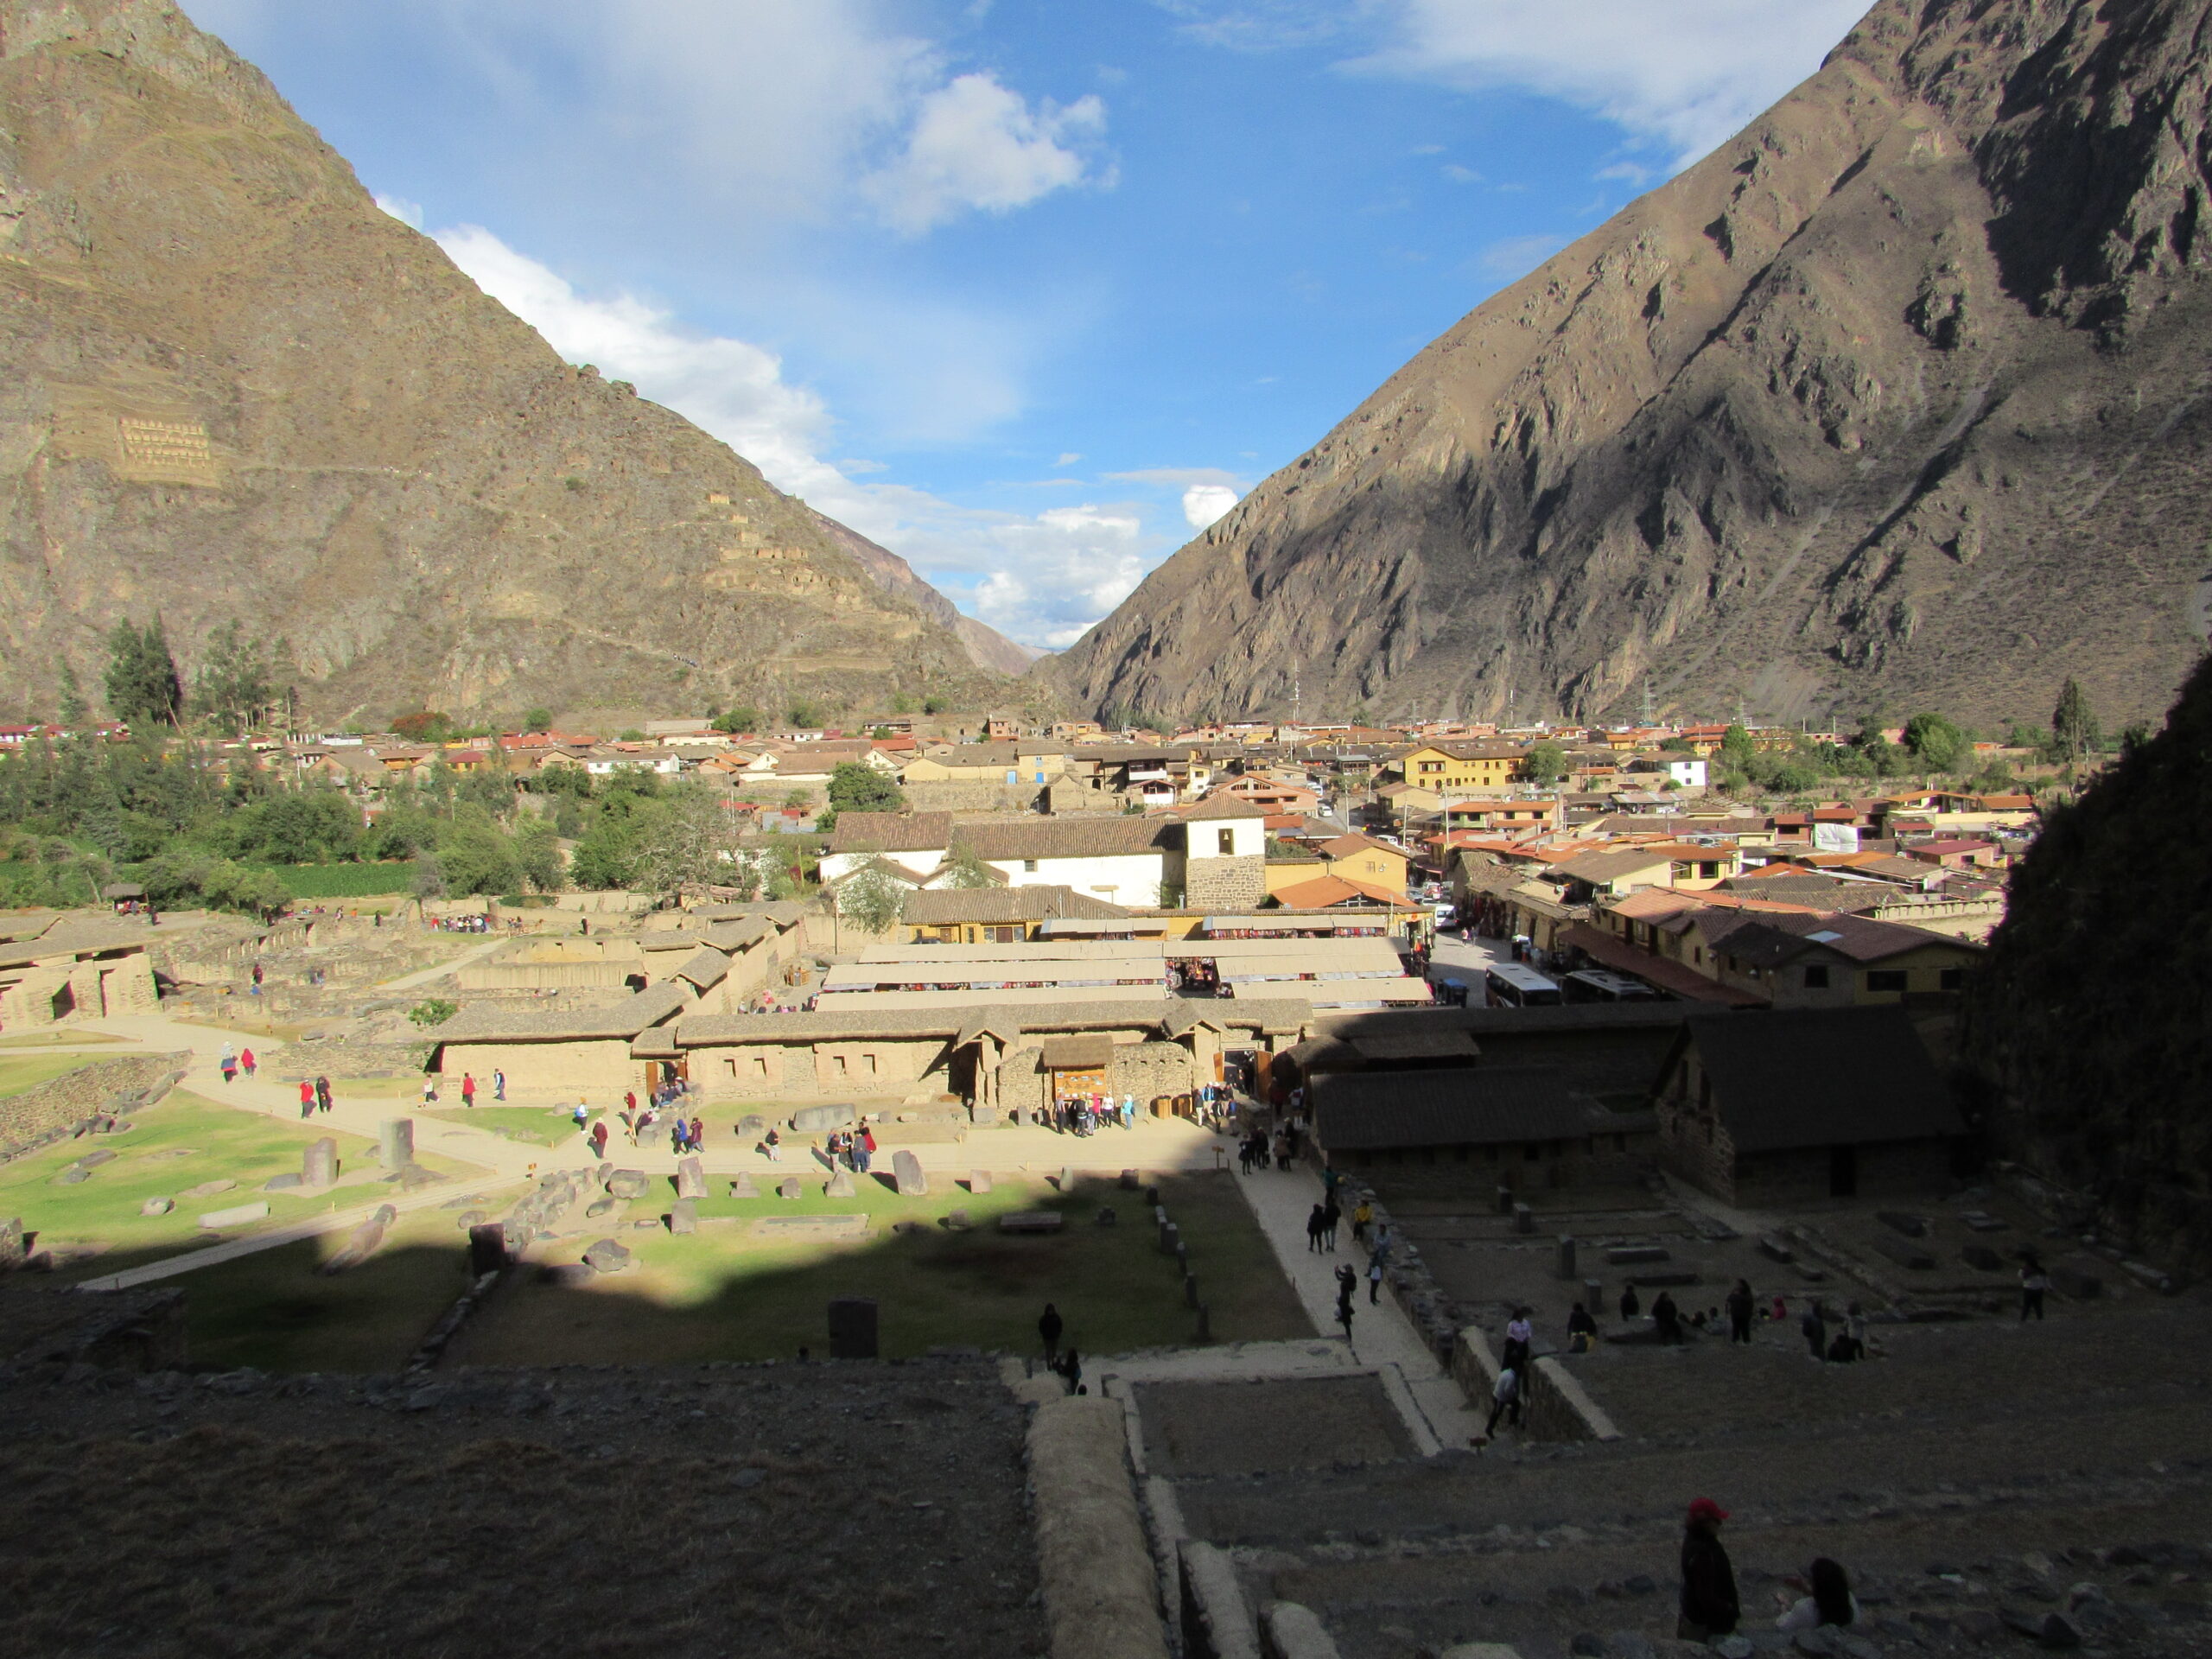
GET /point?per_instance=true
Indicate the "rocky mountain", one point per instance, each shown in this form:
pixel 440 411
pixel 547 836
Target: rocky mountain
pixel 230 387
pixel 990 648
pixel 2088 1022
pixel 1896 400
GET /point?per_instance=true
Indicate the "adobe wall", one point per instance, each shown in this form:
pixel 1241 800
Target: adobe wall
pixel 599 1065
pixel 977 797
pixel 1906 1170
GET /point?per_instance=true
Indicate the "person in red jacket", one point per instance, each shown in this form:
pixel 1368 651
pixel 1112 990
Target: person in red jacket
pixel 307 1098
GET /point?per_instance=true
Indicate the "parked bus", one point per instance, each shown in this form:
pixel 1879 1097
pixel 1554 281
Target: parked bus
pixel 1511 985
pixel 1597 985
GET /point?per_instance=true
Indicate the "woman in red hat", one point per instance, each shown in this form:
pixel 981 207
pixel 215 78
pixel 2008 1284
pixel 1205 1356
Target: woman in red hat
pixel 1709 1605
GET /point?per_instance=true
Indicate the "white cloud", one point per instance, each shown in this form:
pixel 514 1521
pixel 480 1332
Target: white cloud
pixel 1041 579
pixel 1068 458
pixel 976 144
pixel 1460 175
pixel 1205 503
pixel 1685 74
pixel 406 212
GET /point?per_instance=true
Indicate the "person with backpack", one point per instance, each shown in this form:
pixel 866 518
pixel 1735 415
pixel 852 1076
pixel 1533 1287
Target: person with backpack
pixel 1710 1606
pixel 322 1094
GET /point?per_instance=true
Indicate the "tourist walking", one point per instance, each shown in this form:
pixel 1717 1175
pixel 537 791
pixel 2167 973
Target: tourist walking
pixel 599 1139
pixel 1332 1217
pixel 1505 1400
pixel 1362 1217
pixel 499 1084
pixel 430 1089
pixel 1048 1331
pixel 1347 1285
pixel 1519 1334
pixel 1830 1603
pixel 1709 1605
pixel 1316 1219
pixel 1667 1318
pixel 1741 1304
pixel 322 1094
pixel 468 1089
pixel 245 1061
pixel 1581 1331
pixel 867 1151
pixel 307 1098
pixel 229 1061
pixel 1374 1278
pixel 698 1134
pixel 2033 1282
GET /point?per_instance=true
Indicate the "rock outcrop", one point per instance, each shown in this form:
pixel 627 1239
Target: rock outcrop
pixel 2088 1022
pixel 230 387
pixel 1897 399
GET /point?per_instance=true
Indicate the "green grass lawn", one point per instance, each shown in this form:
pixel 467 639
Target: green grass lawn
pixel 345 880
pixel 540 1126
pixel 31 1070
pixel 728 1293
pixel 183 1142
pixel 274 1310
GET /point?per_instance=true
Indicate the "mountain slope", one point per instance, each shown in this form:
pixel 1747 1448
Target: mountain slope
pixel 2088 1019
pixel 985 645
pixel 230 387
pixel 1895 400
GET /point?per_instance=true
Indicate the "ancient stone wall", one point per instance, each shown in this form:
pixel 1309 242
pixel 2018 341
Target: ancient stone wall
pixel 1224 883
pixel 965 795
pixel 1149 1071
pixel 1024 1088
pixel 54 1108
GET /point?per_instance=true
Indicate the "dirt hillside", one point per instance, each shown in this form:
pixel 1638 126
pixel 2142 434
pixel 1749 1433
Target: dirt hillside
pixel 231 387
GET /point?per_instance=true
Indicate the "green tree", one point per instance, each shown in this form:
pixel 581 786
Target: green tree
pixel 433 1011
pixel 537 854
pixel 1737 749
pixel 2074 728
pixel 872 900
pixel 804 714
pixel 491 787
pixel 477 858
pixel 934 705
pixel 1881 757
pixel 630 734
pixel 295 827
pixel 1677 745
pixel 539 719
pixel 141 682
pixel 1544 763
pixel 901 703
pixel 966 870
pixel 237 678
pixel 1935 742
pixel 607 855
pixel 741 718
pixel 856 786
pixel 73 707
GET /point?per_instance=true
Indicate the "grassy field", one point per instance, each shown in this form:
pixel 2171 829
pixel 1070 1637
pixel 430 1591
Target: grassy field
pixel 28 1072
pixel 274 1310
pixel 728 1292
pixel 183 1142
pixel 71 1035
pixel 539 1126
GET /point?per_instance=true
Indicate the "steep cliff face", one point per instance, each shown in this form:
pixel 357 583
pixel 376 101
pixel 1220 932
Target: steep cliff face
pixel 1897 399
pixel 2090 1019
pixel 230 387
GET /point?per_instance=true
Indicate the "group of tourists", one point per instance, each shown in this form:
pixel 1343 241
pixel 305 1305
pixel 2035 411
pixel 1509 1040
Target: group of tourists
pixel 855 1149
pixel 1084 1115
pixel 1262 1150
pixel 314 1096
pixel 1711 1606
pixel 232 1061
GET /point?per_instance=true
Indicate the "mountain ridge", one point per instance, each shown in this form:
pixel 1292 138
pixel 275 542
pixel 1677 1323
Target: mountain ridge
pixel 231 387
pixel 1819 426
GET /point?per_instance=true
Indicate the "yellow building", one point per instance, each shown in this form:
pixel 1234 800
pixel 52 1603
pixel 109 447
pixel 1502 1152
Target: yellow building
pixel 1462 765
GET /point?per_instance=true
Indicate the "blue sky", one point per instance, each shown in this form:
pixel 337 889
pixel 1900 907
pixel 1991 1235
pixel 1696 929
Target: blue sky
pixel 1028 291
